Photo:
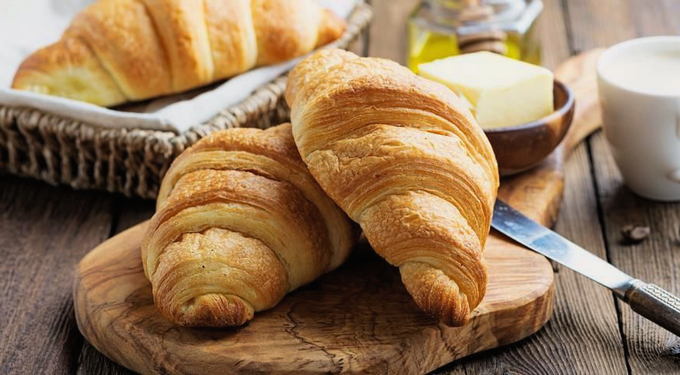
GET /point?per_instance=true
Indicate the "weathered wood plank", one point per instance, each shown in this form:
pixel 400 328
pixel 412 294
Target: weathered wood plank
pixel 655 17
pixel 650 349
pixel 552 33
pixel 598 23
pixel 127 212
pixel 44 231
pixel 90 361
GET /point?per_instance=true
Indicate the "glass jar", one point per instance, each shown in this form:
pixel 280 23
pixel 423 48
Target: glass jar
pixel 442 28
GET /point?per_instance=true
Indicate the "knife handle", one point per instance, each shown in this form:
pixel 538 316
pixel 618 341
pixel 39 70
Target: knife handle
pixel 655 304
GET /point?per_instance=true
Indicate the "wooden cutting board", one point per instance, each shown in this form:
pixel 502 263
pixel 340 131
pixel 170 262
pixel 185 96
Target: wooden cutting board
pixel 357 319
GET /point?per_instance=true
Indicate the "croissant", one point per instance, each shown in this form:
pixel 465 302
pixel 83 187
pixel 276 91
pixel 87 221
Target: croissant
pixel 116 51
pixel 240 222
pixel 404 158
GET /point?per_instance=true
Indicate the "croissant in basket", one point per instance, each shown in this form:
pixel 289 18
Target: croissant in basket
pixel 404 158
pixel 240 222
pixel 116 51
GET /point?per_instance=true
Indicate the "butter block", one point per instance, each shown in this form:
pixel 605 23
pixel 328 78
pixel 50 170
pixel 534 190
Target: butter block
pixel 501 91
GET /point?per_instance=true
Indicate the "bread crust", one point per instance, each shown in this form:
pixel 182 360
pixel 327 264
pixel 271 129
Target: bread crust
pixel 404 158
pixel 239 223
pixel 116 51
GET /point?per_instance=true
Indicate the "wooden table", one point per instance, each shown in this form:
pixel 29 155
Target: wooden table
pixel 45 230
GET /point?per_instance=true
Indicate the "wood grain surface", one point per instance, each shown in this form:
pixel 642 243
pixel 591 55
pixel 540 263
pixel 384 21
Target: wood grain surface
pixel 357 319
pixel 39 334
pixel 44 231
pixel 648 348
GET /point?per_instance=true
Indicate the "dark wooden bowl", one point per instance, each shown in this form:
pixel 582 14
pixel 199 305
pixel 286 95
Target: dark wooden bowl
pixel 522 147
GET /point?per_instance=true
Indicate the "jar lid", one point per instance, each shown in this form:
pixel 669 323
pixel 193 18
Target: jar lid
pixel 476 16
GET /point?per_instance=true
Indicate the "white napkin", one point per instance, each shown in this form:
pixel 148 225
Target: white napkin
pixel 26 25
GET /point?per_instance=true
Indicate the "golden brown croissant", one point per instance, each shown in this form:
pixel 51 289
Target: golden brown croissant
pixel 239 223
pixel 403 157
pixel 125 50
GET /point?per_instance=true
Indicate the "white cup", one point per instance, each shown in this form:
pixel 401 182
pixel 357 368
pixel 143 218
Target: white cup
pixel 641 122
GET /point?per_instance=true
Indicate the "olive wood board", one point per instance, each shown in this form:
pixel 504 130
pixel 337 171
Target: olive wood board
pixel 356 319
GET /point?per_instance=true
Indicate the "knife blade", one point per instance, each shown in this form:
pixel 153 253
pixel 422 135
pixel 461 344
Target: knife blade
pixel 648 300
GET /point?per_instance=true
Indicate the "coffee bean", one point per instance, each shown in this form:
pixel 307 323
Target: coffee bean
pixel 635 233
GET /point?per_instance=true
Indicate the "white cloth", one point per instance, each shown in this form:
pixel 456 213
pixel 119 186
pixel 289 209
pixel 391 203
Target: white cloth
pixel 26 25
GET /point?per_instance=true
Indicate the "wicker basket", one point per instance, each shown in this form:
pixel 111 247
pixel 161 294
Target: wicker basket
pixel 85 156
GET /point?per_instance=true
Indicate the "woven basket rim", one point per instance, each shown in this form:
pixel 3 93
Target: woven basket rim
pixel 358 18
pixel 62 150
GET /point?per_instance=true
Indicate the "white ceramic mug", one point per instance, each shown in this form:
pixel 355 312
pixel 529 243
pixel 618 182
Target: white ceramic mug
pixel 641 113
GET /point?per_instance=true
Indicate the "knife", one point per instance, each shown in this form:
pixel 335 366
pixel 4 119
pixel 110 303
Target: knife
pixel 648 300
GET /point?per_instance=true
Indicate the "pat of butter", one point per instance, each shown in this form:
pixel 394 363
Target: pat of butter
pixel 501 91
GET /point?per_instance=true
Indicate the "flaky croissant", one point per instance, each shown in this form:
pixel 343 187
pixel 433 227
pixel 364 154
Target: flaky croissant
pixel 239 223
pixel 403 157
pixel 126 50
